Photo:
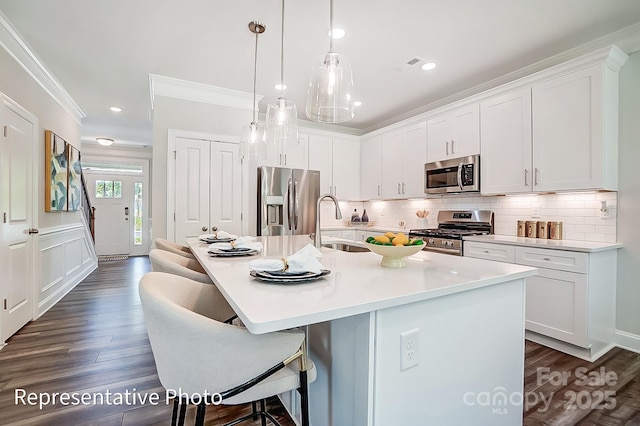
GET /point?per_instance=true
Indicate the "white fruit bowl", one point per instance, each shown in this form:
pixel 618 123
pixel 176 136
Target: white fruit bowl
pixel 393 256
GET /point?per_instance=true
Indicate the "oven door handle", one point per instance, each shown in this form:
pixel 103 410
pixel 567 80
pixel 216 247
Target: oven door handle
pixel 460 175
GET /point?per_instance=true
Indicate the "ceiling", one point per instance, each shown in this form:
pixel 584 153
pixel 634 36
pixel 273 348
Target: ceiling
pixel 102 51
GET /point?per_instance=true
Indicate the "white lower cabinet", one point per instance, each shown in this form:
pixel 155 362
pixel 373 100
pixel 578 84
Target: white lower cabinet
pixel 571 299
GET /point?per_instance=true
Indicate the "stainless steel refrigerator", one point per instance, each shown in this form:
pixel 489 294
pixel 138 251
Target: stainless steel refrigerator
pixel 287 201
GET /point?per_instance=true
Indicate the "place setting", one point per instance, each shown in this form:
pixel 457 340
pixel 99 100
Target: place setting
pixel 239 246
pixel 301 267
pixel 217 237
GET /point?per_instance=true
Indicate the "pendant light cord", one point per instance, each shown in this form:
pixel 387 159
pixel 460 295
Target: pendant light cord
pixel 282 53
pixel 255 74
pixel 331 26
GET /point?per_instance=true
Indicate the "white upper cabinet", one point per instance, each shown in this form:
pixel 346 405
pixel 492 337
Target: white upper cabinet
pixel 569 146
pixel 557 133
pixel 293 156
pixel 454 134
pixel 392 165
pixel 321 158
pixel 346 169
pixel 414 155
pixel 505 155
pixel 403 156
pixel 371 168
pixel 337 159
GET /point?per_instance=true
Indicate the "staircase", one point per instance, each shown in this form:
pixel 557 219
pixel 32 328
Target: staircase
pixel 88 210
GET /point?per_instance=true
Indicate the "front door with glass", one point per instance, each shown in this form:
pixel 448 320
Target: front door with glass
pixel 118 192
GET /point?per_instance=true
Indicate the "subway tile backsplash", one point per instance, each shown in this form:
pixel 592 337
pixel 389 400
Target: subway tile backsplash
pixel 579 212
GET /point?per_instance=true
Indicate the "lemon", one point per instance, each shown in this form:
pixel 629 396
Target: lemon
pixel 382 239
pixel 390 235
pixel 400 239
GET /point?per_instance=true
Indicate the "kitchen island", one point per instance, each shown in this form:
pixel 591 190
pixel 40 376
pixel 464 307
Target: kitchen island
pixel 440 341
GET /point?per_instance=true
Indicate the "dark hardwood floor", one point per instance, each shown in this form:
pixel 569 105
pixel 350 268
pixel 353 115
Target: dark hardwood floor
pixel 94 341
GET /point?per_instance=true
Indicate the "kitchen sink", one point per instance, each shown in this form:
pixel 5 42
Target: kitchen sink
pixel 352 248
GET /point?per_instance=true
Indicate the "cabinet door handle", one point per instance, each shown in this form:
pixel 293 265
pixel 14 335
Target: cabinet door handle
pixel 486 251
pixel 452 150
pixel 403 187
pixel 204 228
pixel 335 191
pixel 535 177
pixel 398 188
pixel 526 176
pixel 447 148
pixel 378 190
pixel 281 160
pixel 546 258
pixel 285 159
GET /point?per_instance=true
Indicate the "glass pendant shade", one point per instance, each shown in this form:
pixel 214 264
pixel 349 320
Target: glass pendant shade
pixel 282 122
pixel 330 94
pixel 253 141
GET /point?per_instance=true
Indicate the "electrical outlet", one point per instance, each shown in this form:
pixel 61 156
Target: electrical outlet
pixel 409 349
pixel 535 210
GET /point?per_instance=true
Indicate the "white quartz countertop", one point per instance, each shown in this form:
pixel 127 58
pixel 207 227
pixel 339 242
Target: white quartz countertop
pixel 357 284
pixel 569 245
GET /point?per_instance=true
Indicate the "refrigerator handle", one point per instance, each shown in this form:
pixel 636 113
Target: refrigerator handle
pixel 289 217
pixel 295 205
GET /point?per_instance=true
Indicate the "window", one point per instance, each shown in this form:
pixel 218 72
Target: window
pixel 108 189
pixel 137 214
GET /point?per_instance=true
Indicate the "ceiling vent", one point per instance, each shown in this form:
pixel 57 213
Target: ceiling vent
pixel 411 63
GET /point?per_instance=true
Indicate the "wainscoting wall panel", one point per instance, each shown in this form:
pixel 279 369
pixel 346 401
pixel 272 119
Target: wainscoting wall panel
pixel 66 256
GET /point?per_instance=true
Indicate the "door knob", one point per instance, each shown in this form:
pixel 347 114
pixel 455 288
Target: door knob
pixel 33 231
pixel 204 228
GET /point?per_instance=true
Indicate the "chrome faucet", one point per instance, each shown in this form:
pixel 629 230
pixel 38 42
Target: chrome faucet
pixel 317 238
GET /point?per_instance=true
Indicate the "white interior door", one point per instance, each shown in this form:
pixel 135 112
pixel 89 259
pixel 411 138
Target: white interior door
pixel 16 200
pixel 207 187
pixel 191 205
pixel 111 196
pixel 225 182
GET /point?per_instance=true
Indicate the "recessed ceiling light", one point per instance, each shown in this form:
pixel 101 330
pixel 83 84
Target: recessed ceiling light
pixel 115 109
pixel 429 66
pixel 281 86
pixel 105 141
pixel 338 33
pixel 357 103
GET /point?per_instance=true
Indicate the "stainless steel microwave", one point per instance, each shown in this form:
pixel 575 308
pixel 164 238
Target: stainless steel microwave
pixel 452 176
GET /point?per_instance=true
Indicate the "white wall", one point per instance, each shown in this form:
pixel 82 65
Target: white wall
pixel 63 248
pixel 170 113
pixel 22 88
pixel 628 314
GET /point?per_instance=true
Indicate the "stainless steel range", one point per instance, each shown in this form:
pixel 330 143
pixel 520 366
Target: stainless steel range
pixel 452 226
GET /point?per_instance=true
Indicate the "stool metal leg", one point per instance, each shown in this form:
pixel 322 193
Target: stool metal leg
pixel 200 414
pixel 174 415
pixel 304 398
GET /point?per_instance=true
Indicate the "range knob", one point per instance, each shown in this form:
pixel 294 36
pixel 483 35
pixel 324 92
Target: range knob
pixel 431 241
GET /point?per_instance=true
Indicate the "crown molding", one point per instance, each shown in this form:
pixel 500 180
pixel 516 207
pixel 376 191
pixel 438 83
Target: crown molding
pixel 199 92
pixel 20 51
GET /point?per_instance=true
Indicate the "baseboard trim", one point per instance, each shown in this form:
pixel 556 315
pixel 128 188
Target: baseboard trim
pixel 628 341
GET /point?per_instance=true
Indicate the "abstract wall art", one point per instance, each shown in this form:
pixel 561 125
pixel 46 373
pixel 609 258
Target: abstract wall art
pixel 56 170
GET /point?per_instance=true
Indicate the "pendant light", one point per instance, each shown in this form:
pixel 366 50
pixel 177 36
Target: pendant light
pixel 330 94
pixel 253 133
pixel 282 114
